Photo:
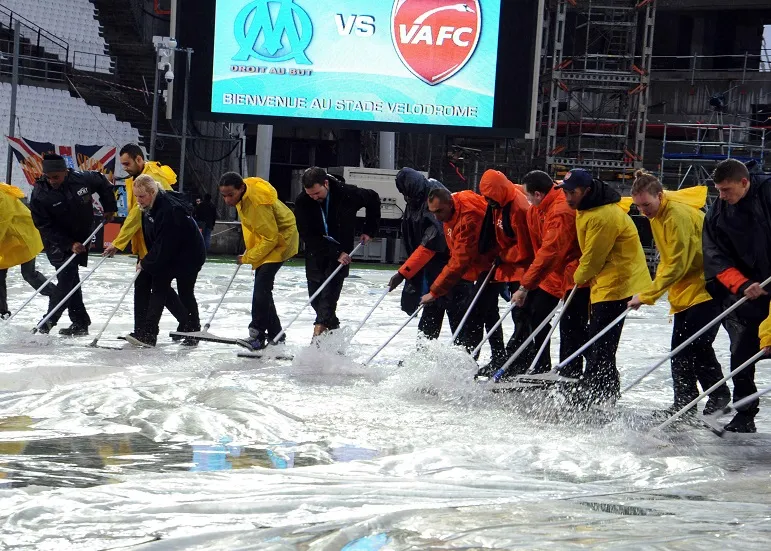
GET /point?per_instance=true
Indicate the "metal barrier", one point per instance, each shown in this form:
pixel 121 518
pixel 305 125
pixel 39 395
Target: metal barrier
pixel 31 66
pixel 87 61
pixel 37 36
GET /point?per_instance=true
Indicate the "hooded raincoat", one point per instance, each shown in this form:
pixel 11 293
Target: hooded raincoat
pixel 765 332
pixel 677 232
pixel 462 232
pixel 423 237
pixel 19 239
pixel 510 224
pixel 612 257
pixel 552 226
pixel 131 230
pixel 270 230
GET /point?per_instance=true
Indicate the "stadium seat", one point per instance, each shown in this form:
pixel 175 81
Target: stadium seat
pixel 73 21
pixel 53 115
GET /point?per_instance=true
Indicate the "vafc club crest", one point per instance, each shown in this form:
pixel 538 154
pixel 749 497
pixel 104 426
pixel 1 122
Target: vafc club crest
pixel 273 30
pixel 436 38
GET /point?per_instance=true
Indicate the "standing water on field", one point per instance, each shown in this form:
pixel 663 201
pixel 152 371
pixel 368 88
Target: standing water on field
pixel 176 448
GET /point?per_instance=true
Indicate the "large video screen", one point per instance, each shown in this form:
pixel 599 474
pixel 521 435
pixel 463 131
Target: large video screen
pixel 427 62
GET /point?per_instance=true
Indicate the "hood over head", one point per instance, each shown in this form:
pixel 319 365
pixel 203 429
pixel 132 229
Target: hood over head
pixel 497 187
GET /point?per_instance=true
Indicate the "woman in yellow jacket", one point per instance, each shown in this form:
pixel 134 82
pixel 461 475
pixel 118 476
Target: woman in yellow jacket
pixel 676 221
pixel 613 264
pixel 270 234
pixel 20 243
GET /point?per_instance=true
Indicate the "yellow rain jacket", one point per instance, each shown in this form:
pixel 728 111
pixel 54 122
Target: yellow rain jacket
pixel 677 232
pixel 131 230
pixel 612 258
pixel 270 229
pixel 765 331
pixel 19 239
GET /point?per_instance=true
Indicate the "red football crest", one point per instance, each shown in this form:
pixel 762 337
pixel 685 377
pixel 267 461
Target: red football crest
pixel 435 38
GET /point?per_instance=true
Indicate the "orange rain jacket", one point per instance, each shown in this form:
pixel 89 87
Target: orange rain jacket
pixel 462 235
pixel 511 229
pixel 552 226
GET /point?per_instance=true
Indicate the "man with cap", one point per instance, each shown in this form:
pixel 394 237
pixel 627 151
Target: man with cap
pixel 62 211
pixel 613 264
pixel 19 245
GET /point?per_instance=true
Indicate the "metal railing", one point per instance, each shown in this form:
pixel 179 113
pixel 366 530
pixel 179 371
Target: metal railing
pixel 88 61
pixel 31 66
pixel 38 37
pixel 734 63
pixel 745 63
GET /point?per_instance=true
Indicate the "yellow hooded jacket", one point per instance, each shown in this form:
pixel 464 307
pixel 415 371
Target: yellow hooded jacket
pixel 765 331
pixel 131 230
pixel 612 258
pixel 677 233
pixel 19 239
pixel 270 229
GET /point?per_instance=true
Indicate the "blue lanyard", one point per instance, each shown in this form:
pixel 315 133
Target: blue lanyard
pixel 325 213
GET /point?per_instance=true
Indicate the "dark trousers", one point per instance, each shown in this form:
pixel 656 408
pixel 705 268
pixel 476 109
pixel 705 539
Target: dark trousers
pixel 454 304
pixel 484 314
pixel 538 305
pixel 601 378
pixel 67 280
pixel 325 305
pixel 574 328
pixel 742 327
pixel 142 290
pixel 31 276
pixel 185 303
pixel 265 319
pixel 697 362
pixel 206 232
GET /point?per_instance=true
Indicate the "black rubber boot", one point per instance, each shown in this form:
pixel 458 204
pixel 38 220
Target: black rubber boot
pixel 74 330
pixel 743 421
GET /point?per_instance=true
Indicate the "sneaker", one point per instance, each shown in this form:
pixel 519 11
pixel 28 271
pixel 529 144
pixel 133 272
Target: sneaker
pixel 256 344
pixel 142 341
pixel 74 330
pixel 716 403
pixel 743 421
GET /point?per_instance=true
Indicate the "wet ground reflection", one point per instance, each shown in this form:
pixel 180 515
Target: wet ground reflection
pixel 85 461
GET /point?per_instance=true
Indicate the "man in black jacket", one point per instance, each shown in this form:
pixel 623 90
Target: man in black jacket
pixel 206 216
pixel 424 240
pixel 63 213
pixel 736 241
pixel 326 219
pixel 175 250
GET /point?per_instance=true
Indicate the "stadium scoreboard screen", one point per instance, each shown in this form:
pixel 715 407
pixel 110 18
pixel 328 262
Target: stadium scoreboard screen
pixel 365 63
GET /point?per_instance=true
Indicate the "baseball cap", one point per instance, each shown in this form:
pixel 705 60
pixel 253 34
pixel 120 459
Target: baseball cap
pixel 578 177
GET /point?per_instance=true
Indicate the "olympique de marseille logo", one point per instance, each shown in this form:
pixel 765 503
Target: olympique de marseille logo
pixel 436 38
pixel 273 30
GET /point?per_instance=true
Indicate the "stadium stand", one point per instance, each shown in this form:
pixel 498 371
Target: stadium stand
pixel 74 21
pixel 53 115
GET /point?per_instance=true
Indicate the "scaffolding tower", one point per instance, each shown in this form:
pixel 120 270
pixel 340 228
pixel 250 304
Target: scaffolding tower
pixel 598 84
